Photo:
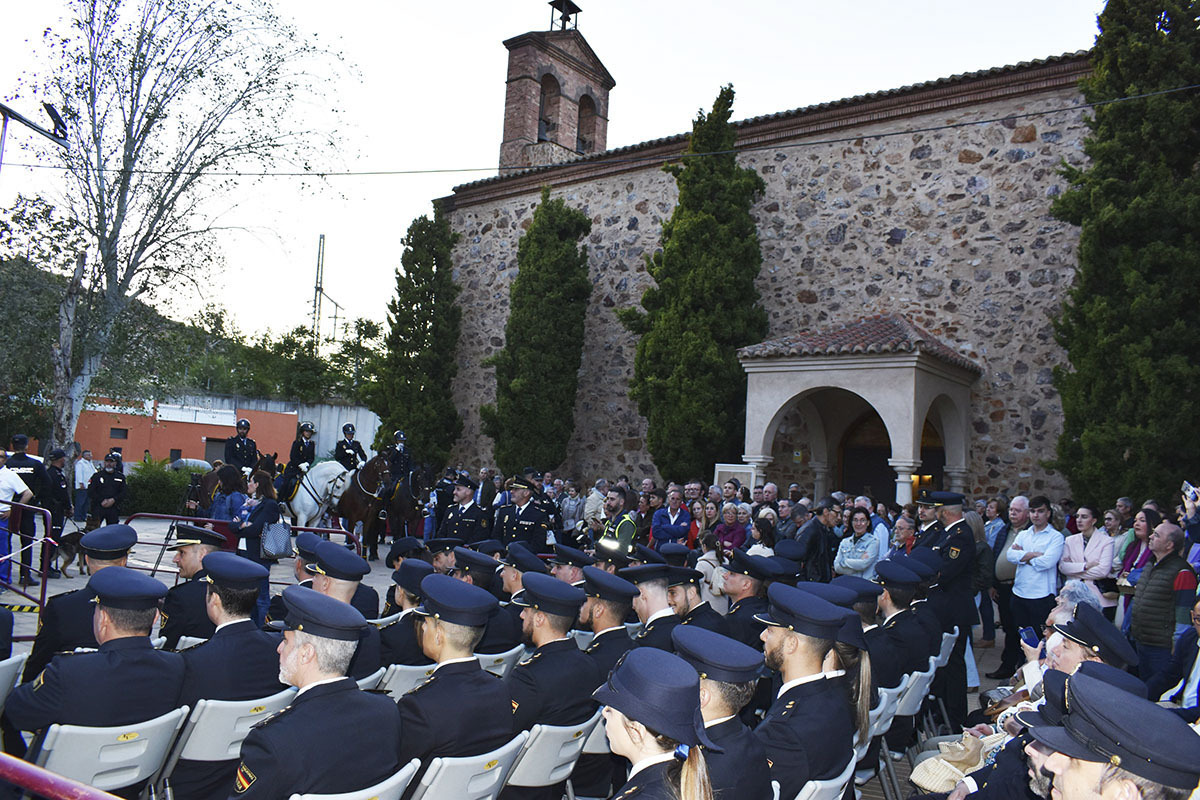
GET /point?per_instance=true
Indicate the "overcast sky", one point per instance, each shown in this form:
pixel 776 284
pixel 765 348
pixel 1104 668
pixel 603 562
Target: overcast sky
pixel 429 93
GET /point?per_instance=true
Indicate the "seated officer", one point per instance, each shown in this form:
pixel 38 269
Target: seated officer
pixel 729 673
pixel 402 548
pixel 66 621
pixel 568 563
pixel 1114 745
pixel 184 612
pixel 683 595
pixel 125 681
pixel 464 519
pixel 885 661
pixel 441 552
pixel 239 662
pixel 808 731
pixel 676 554
pixel 920 607
pixel 609 599
pixel 500 635
pixel 365 599
pixel 398 640
pixel 651 605
pixel 461 710
pixel 517 561
pixel 336 573
pixel 745 586
pixel 312 745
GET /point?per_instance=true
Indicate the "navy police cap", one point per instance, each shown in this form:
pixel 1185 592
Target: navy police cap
pixel 839 596
pixel 410 573
pixel 443 545
pixel 606 586
pixel 521 558
pixel 790 549
pixel 569 556
pixel 646 555
pixel 919 568
pixel 1090 629
pixel 893 573
pixel 121 587
pixel 187 535
pixel 675 553
pixel 716 657
pixel 1056 683
pixel 306 545
pixel 1108 725
pixel 645 572
pixel 311 612
pixel 231 570
pixel 683 576
pixel 550 595
pixel 786 569
pixel 520 482
pixel 489 547
pixel 455 601
pixel 926 556
pixel 802 612
pixel 337 562
pixel 405 546
pixel 866 590
pixel 470 561
pixel 109 543
pixel 757 567
pixel 465 481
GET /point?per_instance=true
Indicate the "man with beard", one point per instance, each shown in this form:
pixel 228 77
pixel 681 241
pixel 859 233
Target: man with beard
pixel 683 595
pixel 185 609
pixel 619 528
pixel 651 605
pixel 609 600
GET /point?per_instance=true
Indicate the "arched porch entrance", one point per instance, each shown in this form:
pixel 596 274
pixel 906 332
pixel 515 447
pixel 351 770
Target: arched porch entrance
pixel 876 404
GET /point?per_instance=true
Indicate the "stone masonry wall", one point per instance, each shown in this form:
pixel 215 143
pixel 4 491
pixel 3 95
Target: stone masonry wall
pixel 950 228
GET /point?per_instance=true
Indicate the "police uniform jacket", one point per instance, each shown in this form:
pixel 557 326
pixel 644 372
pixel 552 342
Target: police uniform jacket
pixel 650 783
pixel 705 616
pixel 33 473
pixel 885 662
pixel 125 681
pixel 930 624
pixel 241 452
pixel 303 452
pixel 349 453
pixel 502 632
pixel 607 648
pixel 929 536
pixel 312 746
pixel 239 662
pixel 432 730
pixel 953 592
pixel 367 656
pixel 528 526
pixel 66 623
pixel 553 686
pixel 657 633
pixel 399 462
pixel 184 612
pixel 741 622
pixel 469 525
pixel 808 734
pixel 366 600
pixel 59 494
pixel 399 645
pixel 106 485
pixel 909 642
pixel 740 769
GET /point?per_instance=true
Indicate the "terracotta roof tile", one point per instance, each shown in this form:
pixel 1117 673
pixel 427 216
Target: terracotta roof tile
pixel 883 333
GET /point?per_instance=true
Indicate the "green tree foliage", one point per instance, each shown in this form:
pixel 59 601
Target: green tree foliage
pixel 1129 321
pixel 687 381
pixel 537 371
pixel 413 375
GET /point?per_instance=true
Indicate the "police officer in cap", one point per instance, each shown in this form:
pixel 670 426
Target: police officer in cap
pixel 59 503
pixel 683 595
pixel 464 520
pixel 729 672
pixel 500 635
pixel 461 710
pixel 127 681
pixel 929 529
pixel 405 547
pixel 609 600
pixel 239 662
pixel 905 636
pixel 924 562
pixel 105 492
pixel 240 450
pixel 522 521
pixel 66 620
pixel 365 599
pixel 953 600
pixel 349 451
pixel 304 452
pixel 515 562
pixel 289 753
pixel 399 460
pixel 185 609
pixel 745 585
pixel 568 563
pixel 337 573
pixel 398 639
pixel 651 605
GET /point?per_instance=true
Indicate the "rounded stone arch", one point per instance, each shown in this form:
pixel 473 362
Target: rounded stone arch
pixel 585 129
pixel 950 421
pixel 549 105
pixel 802 402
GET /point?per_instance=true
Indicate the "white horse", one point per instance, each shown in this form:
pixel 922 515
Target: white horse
pixel 320 489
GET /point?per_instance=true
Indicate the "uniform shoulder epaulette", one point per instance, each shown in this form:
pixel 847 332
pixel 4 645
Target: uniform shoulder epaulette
pixel 627 792
pixel 269 718
pixel 390 624
pixel 193 646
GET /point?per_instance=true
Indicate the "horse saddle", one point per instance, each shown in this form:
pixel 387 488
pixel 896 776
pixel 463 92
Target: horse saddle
pixel 289 491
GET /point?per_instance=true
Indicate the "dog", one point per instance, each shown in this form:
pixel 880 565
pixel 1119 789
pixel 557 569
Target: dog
pixel 69 549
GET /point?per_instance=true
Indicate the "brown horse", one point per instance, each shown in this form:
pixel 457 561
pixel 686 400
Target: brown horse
pixel 406 503
pixel 362 500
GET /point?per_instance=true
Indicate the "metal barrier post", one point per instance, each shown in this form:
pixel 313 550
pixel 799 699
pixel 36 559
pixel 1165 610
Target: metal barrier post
pixel 46 542
pixel 42 782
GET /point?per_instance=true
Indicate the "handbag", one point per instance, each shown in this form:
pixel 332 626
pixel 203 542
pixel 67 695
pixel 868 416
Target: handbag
pixel 276 541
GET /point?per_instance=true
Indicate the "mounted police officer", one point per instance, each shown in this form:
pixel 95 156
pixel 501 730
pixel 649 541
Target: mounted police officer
pixel 349 451
pixel 241 451
pixel 33 472
pixel 400 462
pixel 304 452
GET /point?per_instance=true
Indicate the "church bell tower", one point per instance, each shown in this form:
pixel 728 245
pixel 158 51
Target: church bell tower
pixel 556 102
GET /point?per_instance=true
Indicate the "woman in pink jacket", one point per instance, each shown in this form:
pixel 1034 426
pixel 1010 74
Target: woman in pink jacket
pixel 1088 555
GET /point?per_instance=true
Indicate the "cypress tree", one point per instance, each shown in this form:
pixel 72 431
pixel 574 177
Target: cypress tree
pixel 413 376
pixel 687 381
pixel 1129 321
pixel 537 371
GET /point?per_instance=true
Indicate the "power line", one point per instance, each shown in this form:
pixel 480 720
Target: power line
pixel 640 159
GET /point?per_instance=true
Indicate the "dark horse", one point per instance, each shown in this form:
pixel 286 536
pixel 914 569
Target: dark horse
pixel 363 499
pixel 210 482
pixel 406 504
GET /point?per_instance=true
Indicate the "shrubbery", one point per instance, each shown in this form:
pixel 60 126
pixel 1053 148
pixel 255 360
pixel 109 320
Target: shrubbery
pixel 155 489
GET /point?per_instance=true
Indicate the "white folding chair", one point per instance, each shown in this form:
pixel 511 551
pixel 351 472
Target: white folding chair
pixel 948 640
pixel 215 729
pixel 383 621
pixel 595 744
pixel 500 664
pixel 10 675
pixel 582 638
pixel 158 642
pixel 470 777
pixel 881 717
pixel 372 680
pixel 400 679
pixel 550 753
pixel 831 789
pixel 109 758
pixel 390 789
pixel 633 629
pixel 186 642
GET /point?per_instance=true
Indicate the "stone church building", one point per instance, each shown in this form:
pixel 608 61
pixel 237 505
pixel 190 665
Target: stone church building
pixel 911 272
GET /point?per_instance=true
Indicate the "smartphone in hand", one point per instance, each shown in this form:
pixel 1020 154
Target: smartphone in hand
pixel 1029 636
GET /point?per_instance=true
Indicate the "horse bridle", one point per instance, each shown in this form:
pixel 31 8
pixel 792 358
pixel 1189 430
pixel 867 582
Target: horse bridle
pixel 358 480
